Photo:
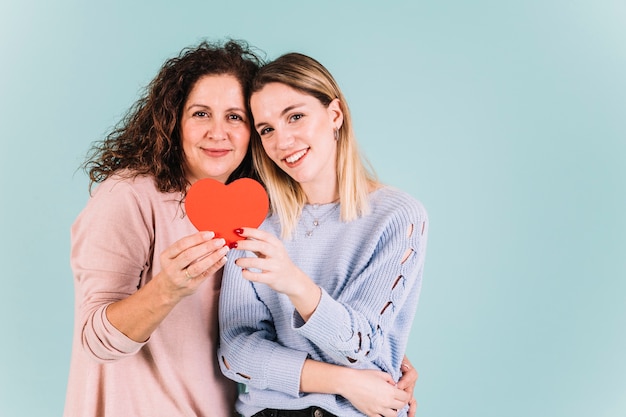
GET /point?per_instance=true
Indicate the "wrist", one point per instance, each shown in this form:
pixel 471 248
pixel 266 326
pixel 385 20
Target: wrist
pixel 339 385
pixel 306 298
pixel 163 294
pixel 325 378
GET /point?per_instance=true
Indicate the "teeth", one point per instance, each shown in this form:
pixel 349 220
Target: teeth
pixel 295 157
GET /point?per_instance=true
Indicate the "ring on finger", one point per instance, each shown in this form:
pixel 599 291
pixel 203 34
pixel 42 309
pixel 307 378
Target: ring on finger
pixel 187 274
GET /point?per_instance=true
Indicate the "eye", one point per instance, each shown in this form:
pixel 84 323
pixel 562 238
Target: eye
pixel 296 117
pixel 236 116
pixel 200 113
pixel 265 131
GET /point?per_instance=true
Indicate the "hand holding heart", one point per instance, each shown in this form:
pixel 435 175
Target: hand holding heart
pixel 216 210
pixel 274 268
pixel 189 261
pixel 213 206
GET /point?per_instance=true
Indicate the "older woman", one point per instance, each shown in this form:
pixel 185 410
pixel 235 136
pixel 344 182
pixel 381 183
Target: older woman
pixel 147 282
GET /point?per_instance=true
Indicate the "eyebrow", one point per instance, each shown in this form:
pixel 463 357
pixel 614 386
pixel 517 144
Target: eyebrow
pixel 282 113
pixel 204 106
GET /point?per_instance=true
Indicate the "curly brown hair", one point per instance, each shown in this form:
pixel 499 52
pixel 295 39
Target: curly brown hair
pixel 147 139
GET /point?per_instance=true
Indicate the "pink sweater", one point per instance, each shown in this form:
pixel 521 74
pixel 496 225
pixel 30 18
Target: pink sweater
pixel 116 243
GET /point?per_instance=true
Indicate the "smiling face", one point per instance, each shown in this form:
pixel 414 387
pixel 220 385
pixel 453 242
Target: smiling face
pixel 215 130
pixel 297 133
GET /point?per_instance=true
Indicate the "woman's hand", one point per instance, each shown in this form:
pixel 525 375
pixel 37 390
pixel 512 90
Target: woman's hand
pixel 374 393
pixel 407 383
pixel 184 266
pixel 188 262
pixel 274 268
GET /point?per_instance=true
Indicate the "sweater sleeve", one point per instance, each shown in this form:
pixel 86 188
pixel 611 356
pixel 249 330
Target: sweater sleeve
pixel 368 321
pixel 249 351
pixel 110 251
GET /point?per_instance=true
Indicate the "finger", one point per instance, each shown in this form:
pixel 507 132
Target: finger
pixel 402 397
pixel 254 276
pixel 388 378
pixel 412 408
pixel 183 244
pixel 390 412
pixel 260 248
pixel 197 253
pixel 407 368
pixel 397 399
pixel 408 378
pixel 213 268
pixel 208 264
pixel 407 382
pixel 397 405
pixel 262 264
pixel 256 234
pixel 256 246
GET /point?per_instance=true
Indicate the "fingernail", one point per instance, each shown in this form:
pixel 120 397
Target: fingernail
pixel 221 242
pixel 238 231
pixel 233 245
pixel 208 235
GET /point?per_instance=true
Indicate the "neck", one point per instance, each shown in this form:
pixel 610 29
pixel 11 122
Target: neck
pixel 321 196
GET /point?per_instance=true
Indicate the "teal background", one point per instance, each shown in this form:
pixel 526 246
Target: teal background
pixel 505 118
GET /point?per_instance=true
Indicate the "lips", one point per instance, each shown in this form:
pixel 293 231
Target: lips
pixel 296 156
pixel 216 152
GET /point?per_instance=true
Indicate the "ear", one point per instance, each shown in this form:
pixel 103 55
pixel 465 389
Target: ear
pixel 336 113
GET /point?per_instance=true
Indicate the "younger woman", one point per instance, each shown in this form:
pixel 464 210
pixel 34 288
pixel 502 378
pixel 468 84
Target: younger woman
pixel 340 286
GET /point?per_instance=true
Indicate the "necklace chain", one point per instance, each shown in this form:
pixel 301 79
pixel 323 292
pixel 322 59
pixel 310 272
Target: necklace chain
pixel 311 210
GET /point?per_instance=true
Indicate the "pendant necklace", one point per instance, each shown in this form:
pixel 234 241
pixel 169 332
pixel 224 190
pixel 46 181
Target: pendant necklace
pixel 314 214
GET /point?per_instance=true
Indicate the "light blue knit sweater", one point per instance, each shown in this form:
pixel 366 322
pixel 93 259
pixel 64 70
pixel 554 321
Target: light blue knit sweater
pixel 370 272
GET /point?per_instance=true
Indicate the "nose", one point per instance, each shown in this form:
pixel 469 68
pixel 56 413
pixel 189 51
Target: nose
pixel 217 129
pixel 284 140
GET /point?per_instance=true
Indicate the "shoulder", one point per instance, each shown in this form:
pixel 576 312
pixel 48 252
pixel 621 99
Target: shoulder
pixel 139 188
pixel 126 182
pixel 125 193
pixel 390 201
pixel 398 215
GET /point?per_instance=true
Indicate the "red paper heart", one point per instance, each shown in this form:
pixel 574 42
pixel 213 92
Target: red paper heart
pixel 213 206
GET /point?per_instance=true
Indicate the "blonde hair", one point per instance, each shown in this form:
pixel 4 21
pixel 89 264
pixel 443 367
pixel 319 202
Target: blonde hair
pixel 355 177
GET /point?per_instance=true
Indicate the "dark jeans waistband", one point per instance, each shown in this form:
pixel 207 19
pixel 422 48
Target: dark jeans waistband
pixel 307 412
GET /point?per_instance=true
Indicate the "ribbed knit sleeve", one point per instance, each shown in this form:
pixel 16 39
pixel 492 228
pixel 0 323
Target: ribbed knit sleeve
pixel 110 248
pixel 117 243
pixel 249 352
pixel 367 321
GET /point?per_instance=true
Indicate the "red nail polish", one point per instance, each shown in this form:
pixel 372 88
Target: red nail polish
pixel 233 245
pixel 238 231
